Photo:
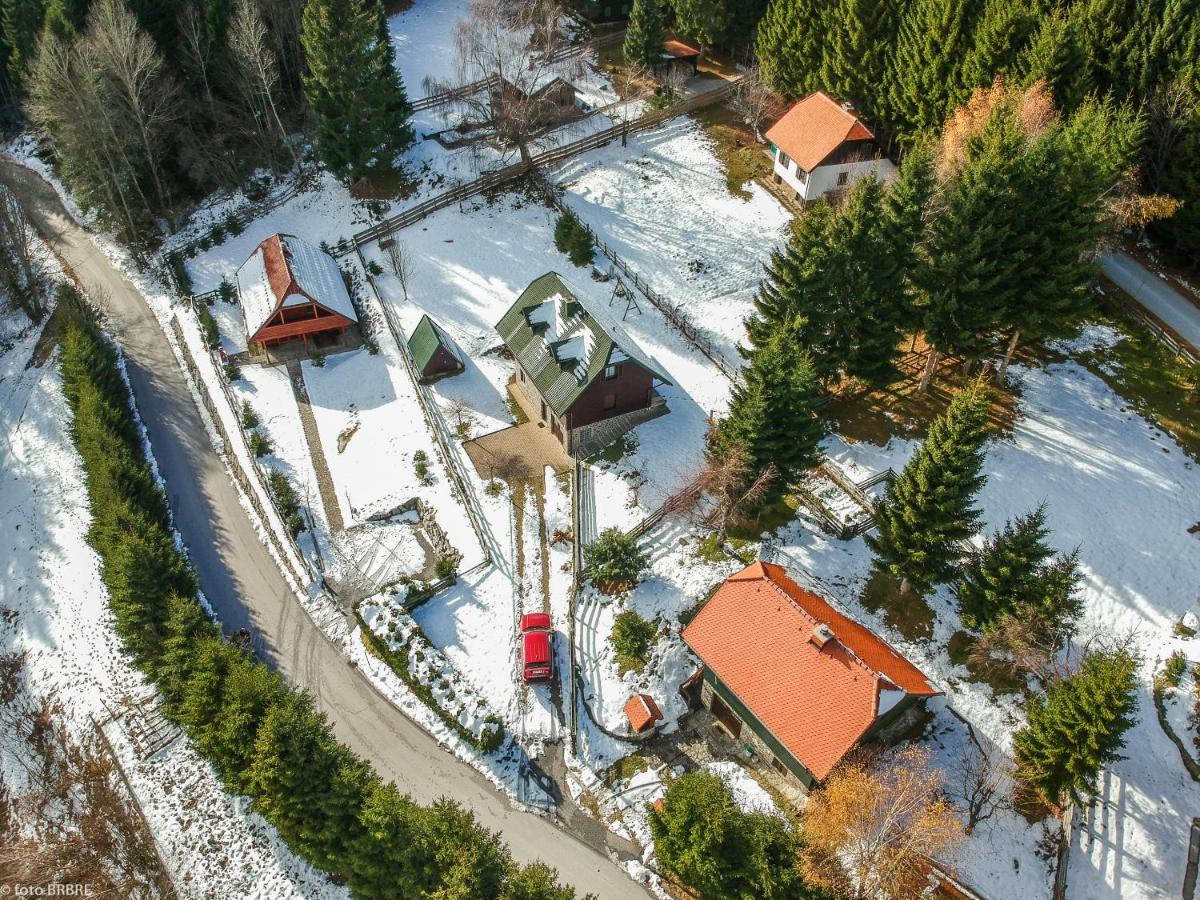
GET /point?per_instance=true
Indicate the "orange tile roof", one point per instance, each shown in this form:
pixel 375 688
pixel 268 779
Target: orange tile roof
pixel 756 634
pixel 679 49
pixel 642 712
pixel 813 128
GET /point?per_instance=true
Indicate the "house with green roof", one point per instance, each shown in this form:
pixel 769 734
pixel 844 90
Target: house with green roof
pixel 578 373
pixel 433 351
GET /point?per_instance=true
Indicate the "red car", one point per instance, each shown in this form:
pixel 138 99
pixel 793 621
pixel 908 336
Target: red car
pixel 537 654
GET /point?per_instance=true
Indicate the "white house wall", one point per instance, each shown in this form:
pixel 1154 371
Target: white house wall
pixel 824 179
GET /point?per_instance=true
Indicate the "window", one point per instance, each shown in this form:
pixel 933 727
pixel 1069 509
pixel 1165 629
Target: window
pixel 521 374
pixel 611 372
pixel 784 161
pixel 779 767
pixel 843 177
pixel 610 400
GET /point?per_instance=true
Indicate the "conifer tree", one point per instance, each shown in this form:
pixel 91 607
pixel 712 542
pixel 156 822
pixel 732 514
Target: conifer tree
pixel 705 20
pixel 644 34
pixel 21 21
pixel 308 785
pixel 929 509
pixel 1078 727
pixel 464 860
pixel 855 62
pixel 1003 29
pixel 792 40
pixel 1182 180
pixel 1055 55
pixel 353 88
pixel 795 290
pixel 1005 573
pixel 66 18
pixel 186 626
pixel 535 881
pixel 387 860
pixel 248 692
pixel 923 78
pixel 771 415
pixel 905 208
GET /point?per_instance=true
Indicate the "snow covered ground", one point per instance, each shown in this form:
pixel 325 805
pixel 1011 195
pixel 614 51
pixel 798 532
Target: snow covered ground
pixel 212 845
pixel 1126 495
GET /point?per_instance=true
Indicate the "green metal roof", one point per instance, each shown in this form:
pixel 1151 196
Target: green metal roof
pixel 563 343
pixel 425 340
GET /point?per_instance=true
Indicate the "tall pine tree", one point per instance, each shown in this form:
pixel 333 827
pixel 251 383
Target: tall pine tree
pixel 353 88
pixel 1078 727
pixel 924 76
pixel 1055 55
pixel 21 21
pixel 1006 572
pixel 929 509
pixel 705 20
pixel 1003 29
pixel 792 40
pixel 771 416
pixel 644 34
pixel 855 61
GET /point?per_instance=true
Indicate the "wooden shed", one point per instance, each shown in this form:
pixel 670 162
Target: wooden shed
pixel 433 351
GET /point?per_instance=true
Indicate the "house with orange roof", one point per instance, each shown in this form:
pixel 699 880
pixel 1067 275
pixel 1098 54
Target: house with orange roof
pixel 820 145
pixel 796 681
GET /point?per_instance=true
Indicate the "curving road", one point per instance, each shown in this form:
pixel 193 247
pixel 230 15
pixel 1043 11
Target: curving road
pixel 1155 294
pixel 241 580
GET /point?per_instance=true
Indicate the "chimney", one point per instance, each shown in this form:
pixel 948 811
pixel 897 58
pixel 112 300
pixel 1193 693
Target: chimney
pixel 821 635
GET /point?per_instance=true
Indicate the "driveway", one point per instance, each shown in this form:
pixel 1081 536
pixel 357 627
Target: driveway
pixel 241 580
pixel 1155 294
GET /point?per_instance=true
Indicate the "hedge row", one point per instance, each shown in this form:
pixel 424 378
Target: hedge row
pixel 266 740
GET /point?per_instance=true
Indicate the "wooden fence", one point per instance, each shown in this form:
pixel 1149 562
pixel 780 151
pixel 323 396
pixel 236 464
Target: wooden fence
pixel 1163 335
pixel 494 179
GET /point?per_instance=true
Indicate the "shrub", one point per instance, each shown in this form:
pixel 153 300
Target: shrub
pixel 374 268
pixel 249 416
pixel 446 566
pixel 225 290
pixel 494 488
pixel 287 501
pixel 232 223
pixel 1173 671
pixel 573 239
pixel 421 466
pixel 208 326
pixel 216 234
pixel 233 371
pixel 260 445
pixel 318 359
pixel 632 637
pixel 491 736
pixel 614 558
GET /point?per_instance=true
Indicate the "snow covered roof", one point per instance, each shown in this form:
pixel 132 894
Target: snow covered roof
pixel 564 342
pixel 286 271
pixel 816 679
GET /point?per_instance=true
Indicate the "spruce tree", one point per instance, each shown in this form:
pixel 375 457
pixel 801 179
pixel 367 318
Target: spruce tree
pixel 705 20
pixel 66 18
pixel 1078 727
pixel 792 41
pixel 855 61
pixel 1003 29
pixel 535 881
pixel 1005 573
pixel 1055 54
pixel 924 76
pixel 929 509
pixel 353 88
pixel 644 34
pixel 771 415
pixel 902 225
pixel 1182 180
pixel 186 626
pixel 794 294
pixel 386 858
pixel 464 860
pixel 21 21
pixel 248 692
pixel 308 785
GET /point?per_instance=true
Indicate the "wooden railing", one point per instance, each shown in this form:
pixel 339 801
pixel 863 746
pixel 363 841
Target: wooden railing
pixel 494 179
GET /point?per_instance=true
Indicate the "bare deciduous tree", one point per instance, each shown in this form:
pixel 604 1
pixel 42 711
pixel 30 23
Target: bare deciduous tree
pixel 22 260
pixel 511 45
pixel 257 67
pixel 873 827
pixel 402 259
pixel 461 414
pixel 981 781
pixel 754 102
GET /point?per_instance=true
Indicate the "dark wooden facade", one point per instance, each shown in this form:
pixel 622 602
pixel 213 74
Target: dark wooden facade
pixel 307 322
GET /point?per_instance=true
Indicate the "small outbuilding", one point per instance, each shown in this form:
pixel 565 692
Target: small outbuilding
pixel 433 351
pixel 642 712
pixel 293 293
pixel 676 52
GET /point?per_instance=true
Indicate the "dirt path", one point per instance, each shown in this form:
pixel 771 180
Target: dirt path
pixel 312 437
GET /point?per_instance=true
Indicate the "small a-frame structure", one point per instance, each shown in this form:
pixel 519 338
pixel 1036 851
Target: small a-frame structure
pixel 291 291
pixel 433 351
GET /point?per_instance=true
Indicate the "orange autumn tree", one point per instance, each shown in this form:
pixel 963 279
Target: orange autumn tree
pixel 870 831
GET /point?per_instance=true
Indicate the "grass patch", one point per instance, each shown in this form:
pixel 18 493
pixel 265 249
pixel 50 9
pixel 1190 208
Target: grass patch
pixel 709 549
pixel 1000 681
pixel 742 157
pixel 1159 385
pixel 908 613
pixel 515 410
pixel 616 451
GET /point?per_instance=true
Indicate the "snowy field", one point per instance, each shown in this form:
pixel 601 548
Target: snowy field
pixel 1126 495
pixel 212 845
